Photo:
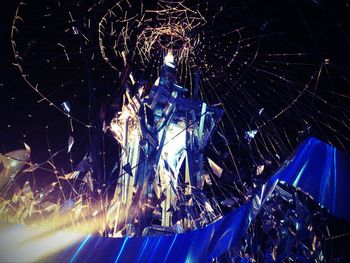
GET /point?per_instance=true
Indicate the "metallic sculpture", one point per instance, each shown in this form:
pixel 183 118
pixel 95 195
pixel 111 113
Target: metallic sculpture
pixel 162 135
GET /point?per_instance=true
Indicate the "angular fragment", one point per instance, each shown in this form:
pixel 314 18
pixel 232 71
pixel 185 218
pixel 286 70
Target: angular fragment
pixel 70 143
pixel 249 135
pixel 11 164
pixel 216 169
pixel 127 168
pixel 31 168
pixel 88 180
pixel 260 169
pixel 206 178
pixel 27 148
pixel 71 175
pixel 66 107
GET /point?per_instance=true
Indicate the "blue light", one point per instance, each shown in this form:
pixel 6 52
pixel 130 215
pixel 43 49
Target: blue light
pixel 80 248
pixel 121 249
pixel 171 246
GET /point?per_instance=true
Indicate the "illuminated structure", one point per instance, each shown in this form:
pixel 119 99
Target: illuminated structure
pixel 261 79
pixel 162 135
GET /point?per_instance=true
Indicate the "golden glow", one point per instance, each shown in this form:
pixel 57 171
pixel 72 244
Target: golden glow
pixel 24 244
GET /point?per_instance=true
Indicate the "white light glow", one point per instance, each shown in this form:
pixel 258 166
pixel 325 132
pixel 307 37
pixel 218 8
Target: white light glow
pixel 169 60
